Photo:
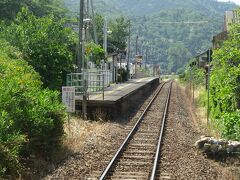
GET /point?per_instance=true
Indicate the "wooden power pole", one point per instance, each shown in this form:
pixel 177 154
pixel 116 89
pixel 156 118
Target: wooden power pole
pixel 129 48
pixel 80 40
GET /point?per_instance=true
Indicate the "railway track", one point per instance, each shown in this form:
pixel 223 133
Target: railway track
pixel 138 156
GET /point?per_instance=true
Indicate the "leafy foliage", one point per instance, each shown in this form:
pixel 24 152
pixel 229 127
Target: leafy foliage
pixel 166 38
pixel 198 76
pixel 225 85
pixel 10 8
pixel 140 7
pixel 94 52
pixel 45 43
pixel 231 125
pixel 226 74
pixel 176 56
pixel 117 39
pixel 31 118
pixel 193 74
pixel 119 28
pixel 10 144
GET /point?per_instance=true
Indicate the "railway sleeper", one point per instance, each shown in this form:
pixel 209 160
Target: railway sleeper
pixel 127 177
pixel 137 157
pixel 132 165
pixel 144 141
pixel 139 152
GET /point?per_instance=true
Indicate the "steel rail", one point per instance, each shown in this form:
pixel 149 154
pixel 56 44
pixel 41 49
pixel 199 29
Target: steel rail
pixel 157 155
pixel 106 171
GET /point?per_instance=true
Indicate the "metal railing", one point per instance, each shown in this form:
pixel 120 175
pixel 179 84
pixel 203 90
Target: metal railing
pixel 96 81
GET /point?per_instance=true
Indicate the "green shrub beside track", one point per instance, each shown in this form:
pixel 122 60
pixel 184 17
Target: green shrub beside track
pixel 224 86
pixel 31 118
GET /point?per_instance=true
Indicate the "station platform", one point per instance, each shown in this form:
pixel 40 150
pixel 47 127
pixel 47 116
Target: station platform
pixel 118 100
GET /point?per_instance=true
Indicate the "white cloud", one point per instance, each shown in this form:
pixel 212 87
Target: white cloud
pixel 236 1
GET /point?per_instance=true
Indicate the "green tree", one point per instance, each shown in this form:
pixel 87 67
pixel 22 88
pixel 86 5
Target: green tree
pixel 119 28
pixel 94 53
pixel 99 27
pixel 118 38
pixel 31 118
pixel 225 85
pixel 177 57
pixel 45 43
pixel 10 8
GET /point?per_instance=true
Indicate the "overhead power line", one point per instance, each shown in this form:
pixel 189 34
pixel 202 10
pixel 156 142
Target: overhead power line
pixel 183 22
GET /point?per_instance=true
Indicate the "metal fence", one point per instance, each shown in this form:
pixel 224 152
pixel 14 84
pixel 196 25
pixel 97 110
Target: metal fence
pixel 96 81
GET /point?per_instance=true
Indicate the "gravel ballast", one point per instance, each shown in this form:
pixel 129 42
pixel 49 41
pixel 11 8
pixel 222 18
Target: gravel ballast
pixel 179 157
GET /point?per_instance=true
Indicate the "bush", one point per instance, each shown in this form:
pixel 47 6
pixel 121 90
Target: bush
pixel 122 75
pixel 231 125
pixel 225 85
pixel 203 98
pixel 10 143
pixel 46 44
pixel 31 118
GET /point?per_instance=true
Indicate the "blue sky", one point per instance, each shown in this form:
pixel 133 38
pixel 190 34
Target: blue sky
pixel 236 1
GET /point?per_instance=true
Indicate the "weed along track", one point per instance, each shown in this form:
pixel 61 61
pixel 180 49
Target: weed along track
pixel 137 158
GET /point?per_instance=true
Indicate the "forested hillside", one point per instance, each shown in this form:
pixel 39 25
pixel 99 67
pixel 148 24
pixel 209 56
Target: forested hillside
pixel 171 44
pixel 140 7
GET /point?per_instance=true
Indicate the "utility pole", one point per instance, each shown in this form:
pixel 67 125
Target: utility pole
pixel 80 40
pixel 105 36
pixel 88 9
pixel 142 52
pixel 191 80
pixel 137 45
pixel 81 60
pixel 146 58
pixel 152 58
pixel 193 88
pixel 94 23
pixel 129 48
pixel 209 71
pixel 153 69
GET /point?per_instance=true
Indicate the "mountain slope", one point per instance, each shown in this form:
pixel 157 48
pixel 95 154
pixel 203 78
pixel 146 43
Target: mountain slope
pixel 140 7
pixel 165 39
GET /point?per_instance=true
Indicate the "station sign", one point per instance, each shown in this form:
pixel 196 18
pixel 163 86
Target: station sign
pixel 68 98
